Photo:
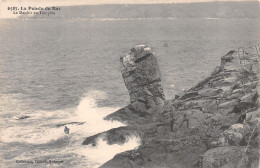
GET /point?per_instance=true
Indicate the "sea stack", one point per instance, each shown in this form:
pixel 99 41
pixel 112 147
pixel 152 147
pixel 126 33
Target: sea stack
pixel 215 124
pixel 142 77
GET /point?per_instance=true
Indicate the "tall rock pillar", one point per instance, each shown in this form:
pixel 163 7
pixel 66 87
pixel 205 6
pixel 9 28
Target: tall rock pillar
pixel 142 78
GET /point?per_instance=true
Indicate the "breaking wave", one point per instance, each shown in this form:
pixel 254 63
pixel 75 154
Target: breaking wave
pixel 46 128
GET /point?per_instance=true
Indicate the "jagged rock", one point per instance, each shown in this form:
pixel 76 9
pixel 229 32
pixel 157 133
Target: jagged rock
pixel 228 104
pixel 217 70
pixel 236 91
pixel 254 155
pixel 235 96
pixel 242 107
pixel 113 136
pixel 211 107
pixel 228 57
pixel 128 115
pixel 227 62
pixel 149 130
pixel 252 115
pixel 225 157
pixel 251 85
pixel 201 84
pixel 231 80
pixel 128 159
pixel 226 91
pixel 256 142
pixel 189 95
pixel 234 135
pixel 241 128
pixel 248 67
pixel 249 98
pixel 177 132
pixel 209 92
pixel 162 130
pixel 142 78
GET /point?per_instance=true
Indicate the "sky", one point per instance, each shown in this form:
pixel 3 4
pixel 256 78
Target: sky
pixel 4 4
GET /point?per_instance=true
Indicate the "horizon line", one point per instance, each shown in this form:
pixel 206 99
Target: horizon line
pixel 4 4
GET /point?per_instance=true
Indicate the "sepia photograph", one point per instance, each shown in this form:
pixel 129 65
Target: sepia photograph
pixel 129 83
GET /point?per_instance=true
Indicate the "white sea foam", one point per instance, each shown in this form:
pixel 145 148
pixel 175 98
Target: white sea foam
pixel 104 152
pixel 87 111
pixel 41 126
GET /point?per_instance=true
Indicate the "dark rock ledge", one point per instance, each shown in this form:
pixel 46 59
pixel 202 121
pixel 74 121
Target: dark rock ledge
pixel 215 124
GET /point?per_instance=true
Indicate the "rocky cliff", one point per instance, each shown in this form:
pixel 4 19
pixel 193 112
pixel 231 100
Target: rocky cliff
pixel 215 124
pixel 142 78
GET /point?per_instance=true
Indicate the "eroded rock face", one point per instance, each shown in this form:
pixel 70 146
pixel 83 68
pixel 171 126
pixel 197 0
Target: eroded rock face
pixel 230 157
pixel 214 124
pixel 142 78
pixel 113 136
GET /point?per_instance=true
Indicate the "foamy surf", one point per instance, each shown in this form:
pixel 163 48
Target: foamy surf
pixel 104 152
pixel 41 130
pixel 41 127
pixel 88 111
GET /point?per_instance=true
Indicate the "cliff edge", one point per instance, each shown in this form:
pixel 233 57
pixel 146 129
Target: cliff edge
pixel 215 124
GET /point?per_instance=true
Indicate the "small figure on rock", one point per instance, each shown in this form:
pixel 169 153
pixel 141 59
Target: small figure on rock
pixel 185 118
pixel 173 119
pixel 66 130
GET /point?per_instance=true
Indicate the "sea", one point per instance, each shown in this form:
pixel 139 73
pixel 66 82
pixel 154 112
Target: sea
pixel 59 71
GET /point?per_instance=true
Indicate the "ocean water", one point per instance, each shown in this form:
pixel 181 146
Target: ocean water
pixel 67 70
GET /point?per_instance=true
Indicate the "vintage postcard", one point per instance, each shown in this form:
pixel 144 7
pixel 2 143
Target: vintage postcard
pixel 129 83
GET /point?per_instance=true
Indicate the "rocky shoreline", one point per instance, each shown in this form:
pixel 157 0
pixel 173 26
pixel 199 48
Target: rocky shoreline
pixel 215 124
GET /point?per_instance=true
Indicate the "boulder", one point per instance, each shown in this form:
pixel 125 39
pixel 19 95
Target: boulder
pixel 242 107
pixel 114 136
pixel 224 157
pixel 126 159
pixel 252 115
pixel 235 134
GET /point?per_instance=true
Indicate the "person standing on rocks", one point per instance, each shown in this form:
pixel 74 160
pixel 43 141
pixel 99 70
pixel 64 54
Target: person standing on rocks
pixel 185 119
pixel 173 119
pixel 174 111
